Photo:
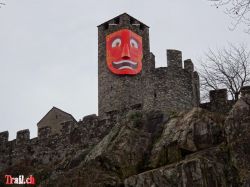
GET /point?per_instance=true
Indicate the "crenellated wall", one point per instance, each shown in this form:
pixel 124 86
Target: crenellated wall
pixel 245 90
pixel 48 148
pixel 172 88
pixel 219 100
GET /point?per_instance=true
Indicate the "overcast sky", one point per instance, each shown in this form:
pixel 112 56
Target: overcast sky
pixel 48 49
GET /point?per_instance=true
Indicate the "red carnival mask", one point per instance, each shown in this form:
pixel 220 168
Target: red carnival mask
pixel 124 52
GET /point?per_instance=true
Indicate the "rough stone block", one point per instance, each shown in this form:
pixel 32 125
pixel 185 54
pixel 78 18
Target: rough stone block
pixel 4 136
pixel 188 65
pixel 174 58
pixel 67 127
pixel 44 132
pixel 245 90
pixel 218 96
pixel 22 136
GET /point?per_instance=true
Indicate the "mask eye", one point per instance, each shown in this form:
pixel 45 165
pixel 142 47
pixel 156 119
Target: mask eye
pixel 133 43
pixel 116 43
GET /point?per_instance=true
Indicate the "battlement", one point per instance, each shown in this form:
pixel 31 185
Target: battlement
pixel 48 147
pixel 89 124
pixel 4 137
pixel 189 66
pixel 122 20
pixel 22 136
pixel 174 61
pixel 245 90
pixel 219 100
pixel 174 58
pixel 218 97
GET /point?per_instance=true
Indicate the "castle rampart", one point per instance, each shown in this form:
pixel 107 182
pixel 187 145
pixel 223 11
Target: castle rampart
pixel 172 88
pixel 48 148
pixel 218 102
pixel 245 90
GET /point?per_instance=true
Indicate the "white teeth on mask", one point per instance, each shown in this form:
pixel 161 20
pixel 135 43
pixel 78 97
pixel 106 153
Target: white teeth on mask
pixel 125 67
pixel 122 61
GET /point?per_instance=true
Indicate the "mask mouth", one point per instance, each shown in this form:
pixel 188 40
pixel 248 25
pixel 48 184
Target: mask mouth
pixel 125 64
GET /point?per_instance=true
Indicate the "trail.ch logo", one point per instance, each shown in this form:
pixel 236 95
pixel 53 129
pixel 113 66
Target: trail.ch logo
pixel 19 180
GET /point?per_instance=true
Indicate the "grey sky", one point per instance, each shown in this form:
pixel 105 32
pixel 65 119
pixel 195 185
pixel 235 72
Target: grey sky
pixel 48 49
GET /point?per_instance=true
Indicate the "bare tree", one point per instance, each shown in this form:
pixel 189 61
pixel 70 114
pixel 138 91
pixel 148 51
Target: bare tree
pixel 239 10
pixel 226 68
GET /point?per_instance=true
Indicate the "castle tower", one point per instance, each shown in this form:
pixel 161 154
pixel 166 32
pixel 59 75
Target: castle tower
pixel 127 76
pixel 123 59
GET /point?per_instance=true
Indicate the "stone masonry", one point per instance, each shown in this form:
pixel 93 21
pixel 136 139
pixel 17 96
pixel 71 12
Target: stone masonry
pixel 219 101
pixel 49 148
pixel 169 89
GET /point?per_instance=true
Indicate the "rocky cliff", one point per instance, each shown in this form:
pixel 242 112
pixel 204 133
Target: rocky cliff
pixel 193 148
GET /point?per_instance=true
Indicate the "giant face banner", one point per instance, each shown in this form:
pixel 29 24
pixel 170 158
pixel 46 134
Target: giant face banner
pixel 124 52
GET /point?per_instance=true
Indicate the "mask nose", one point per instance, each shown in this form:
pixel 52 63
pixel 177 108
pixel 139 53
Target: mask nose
pixel 125 51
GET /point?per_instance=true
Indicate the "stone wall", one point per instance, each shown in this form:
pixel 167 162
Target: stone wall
pixel 173 88
pixel 218 102
pixel 50 148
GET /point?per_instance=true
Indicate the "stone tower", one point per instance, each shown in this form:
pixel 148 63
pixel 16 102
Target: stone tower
pixel 117 92
pixel 132 81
